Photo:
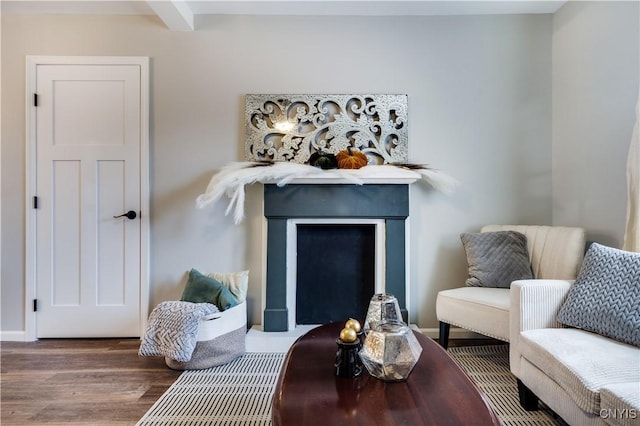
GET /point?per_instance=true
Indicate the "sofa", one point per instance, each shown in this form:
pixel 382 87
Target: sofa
pixel 576 345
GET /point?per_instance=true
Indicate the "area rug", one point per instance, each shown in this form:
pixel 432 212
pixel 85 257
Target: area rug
pixel 239 393
pixel 488 367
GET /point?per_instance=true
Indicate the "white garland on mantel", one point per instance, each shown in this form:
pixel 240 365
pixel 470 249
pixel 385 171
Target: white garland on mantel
pixel 232 179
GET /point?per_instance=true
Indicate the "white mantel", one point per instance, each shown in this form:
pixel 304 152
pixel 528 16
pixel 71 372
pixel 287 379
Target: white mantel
pixel 366 175
pixel 231 180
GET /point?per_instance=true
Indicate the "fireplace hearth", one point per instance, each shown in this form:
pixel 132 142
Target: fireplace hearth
pixel 370 214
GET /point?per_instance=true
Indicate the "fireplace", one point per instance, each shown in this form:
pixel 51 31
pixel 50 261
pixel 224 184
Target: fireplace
pixel 336 265
pixel 301 215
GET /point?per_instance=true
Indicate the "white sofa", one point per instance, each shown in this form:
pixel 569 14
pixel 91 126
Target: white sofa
pixel 585 378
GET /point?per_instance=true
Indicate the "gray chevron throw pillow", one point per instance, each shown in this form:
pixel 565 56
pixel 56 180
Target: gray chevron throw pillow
pixel 605 298
pixel 496 259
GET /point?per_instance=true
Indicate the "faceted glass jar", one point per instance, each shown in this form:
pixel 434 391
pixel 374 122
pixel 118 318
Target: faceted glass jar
pixel 390 351
pixel 383 307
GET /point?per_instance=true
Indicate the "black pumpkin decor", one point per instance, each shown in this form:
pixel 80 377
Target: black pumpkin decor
pixel 323 160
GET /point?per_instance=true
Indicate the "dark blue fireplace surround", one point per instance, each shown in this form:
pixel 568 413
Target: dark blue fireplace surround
pixel 375 201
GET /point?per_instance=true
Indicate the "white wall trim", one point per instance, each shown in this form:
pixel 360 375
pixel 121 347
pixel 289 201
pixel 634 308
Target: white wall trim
pixel 454 333
pixel 30 146
pixel 30 187
pixel 292 253
pixel 13 336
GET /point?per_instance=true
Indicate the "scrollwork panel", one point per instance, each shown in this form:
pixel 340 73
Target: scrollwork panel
pixel 292 127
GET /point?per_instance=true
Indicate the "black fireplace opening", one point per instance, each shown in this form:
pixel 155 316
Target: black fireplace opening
pixel 335 266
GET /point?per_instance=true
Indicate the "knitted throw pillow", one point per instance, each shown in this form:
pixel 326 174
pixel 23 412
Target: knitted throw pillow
pixel 496 259
pixel 605 298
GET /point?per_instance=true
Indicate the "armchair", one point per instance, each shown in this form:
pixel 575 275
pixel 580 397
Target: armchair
pixel 555 252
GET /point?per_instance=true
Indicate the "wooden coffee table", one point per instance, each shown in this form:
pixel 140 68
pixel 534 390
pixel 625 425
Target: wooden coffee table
pixel 437 391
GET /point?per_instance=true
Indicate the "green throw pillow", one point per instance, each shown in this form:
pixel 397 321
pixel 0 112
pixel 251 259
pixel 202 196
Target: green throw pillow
pixel 203 289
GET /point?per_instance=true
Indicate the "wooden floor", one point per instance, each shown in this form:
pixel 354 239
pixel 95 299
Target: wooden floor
pixel 86 381
pixel 79 382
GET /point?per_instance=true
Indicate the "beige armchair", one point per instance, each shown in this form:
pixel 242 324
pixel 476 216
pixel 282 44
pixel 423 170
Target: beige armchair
pixel 555 252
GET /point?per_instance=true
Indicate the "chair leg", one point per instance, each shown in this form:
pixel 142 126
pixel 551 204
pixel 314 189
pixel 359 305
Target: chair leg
pixel 443 336
pixel 528 399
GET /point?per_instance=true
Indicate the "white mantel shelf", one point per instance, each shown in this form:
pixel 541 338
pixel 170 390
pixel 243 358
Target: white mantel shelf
pixel 389 175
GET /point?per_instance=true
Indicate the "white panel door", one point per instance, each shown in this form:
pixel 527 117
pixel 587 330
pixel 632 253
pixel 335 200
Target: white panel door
pixel 88 152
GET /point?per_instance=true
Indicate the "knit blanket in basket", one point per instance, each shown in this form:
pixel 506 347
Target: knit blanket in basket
pixel 172 330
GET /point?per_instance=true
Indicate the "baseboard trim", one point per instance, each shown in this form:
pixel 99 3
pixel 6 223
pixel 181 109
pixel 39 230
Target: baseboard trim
pixel 454 333
pixel 13 336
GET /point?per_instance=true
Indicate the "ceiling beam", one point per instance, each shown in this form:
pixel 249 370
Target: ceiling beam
pixel 176 14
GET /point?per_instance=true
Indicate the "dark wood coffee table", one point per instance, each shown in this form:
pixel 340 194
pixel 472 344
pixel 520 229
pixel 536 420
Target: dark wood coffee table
pixel 437 391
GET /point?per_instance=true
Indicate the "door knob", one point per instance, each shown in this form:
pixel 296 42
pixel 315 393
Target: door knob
pixel 129 215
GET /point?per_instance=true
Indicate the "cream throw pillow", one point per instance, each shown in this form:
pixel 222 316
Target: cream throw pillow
pixel 237 282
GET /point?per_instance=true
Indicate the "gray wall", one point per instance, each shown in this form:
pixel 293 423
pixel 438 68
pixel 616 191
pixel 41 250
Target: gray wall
pixel 480 110
pixel 595 90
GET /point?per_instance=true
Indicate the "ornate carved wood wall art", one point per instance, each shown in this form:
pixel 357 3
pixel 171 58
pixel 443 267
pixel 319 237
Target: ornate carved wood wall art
pixel 292 127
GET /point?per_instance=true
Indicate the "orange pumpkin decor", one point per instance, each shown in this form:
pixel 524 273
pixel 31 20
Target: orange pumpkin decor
pixel 351 159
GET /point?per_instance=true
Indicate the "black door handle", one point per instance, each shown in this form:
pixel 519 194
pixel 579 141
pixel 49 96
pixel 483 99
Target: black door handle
pixel 129 215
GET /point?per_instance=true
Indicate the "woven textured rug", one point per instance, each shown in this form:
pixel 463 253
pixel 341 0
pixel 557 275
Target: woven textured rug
pixel 239 393
pixel 488 367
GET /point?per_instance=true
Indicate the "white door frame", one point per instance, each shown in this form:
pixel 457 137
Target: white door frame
pixel 30 220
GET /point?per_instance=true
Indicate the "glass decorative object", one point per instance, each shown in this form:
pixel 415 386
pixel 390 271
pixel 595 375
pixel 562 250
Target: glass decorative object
pixel 382 308
pixel 390 351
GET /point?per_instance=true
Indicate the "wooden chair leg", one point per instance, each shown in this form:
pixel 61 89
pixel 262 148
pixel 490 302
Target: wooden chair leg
pixel 528 399
pixel 443 336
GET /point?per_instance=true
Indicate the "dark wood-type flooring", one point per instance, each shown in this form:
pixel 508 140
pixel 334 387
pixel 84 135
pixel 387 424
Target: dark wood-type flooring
pixel 79 382
pixel 85 381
